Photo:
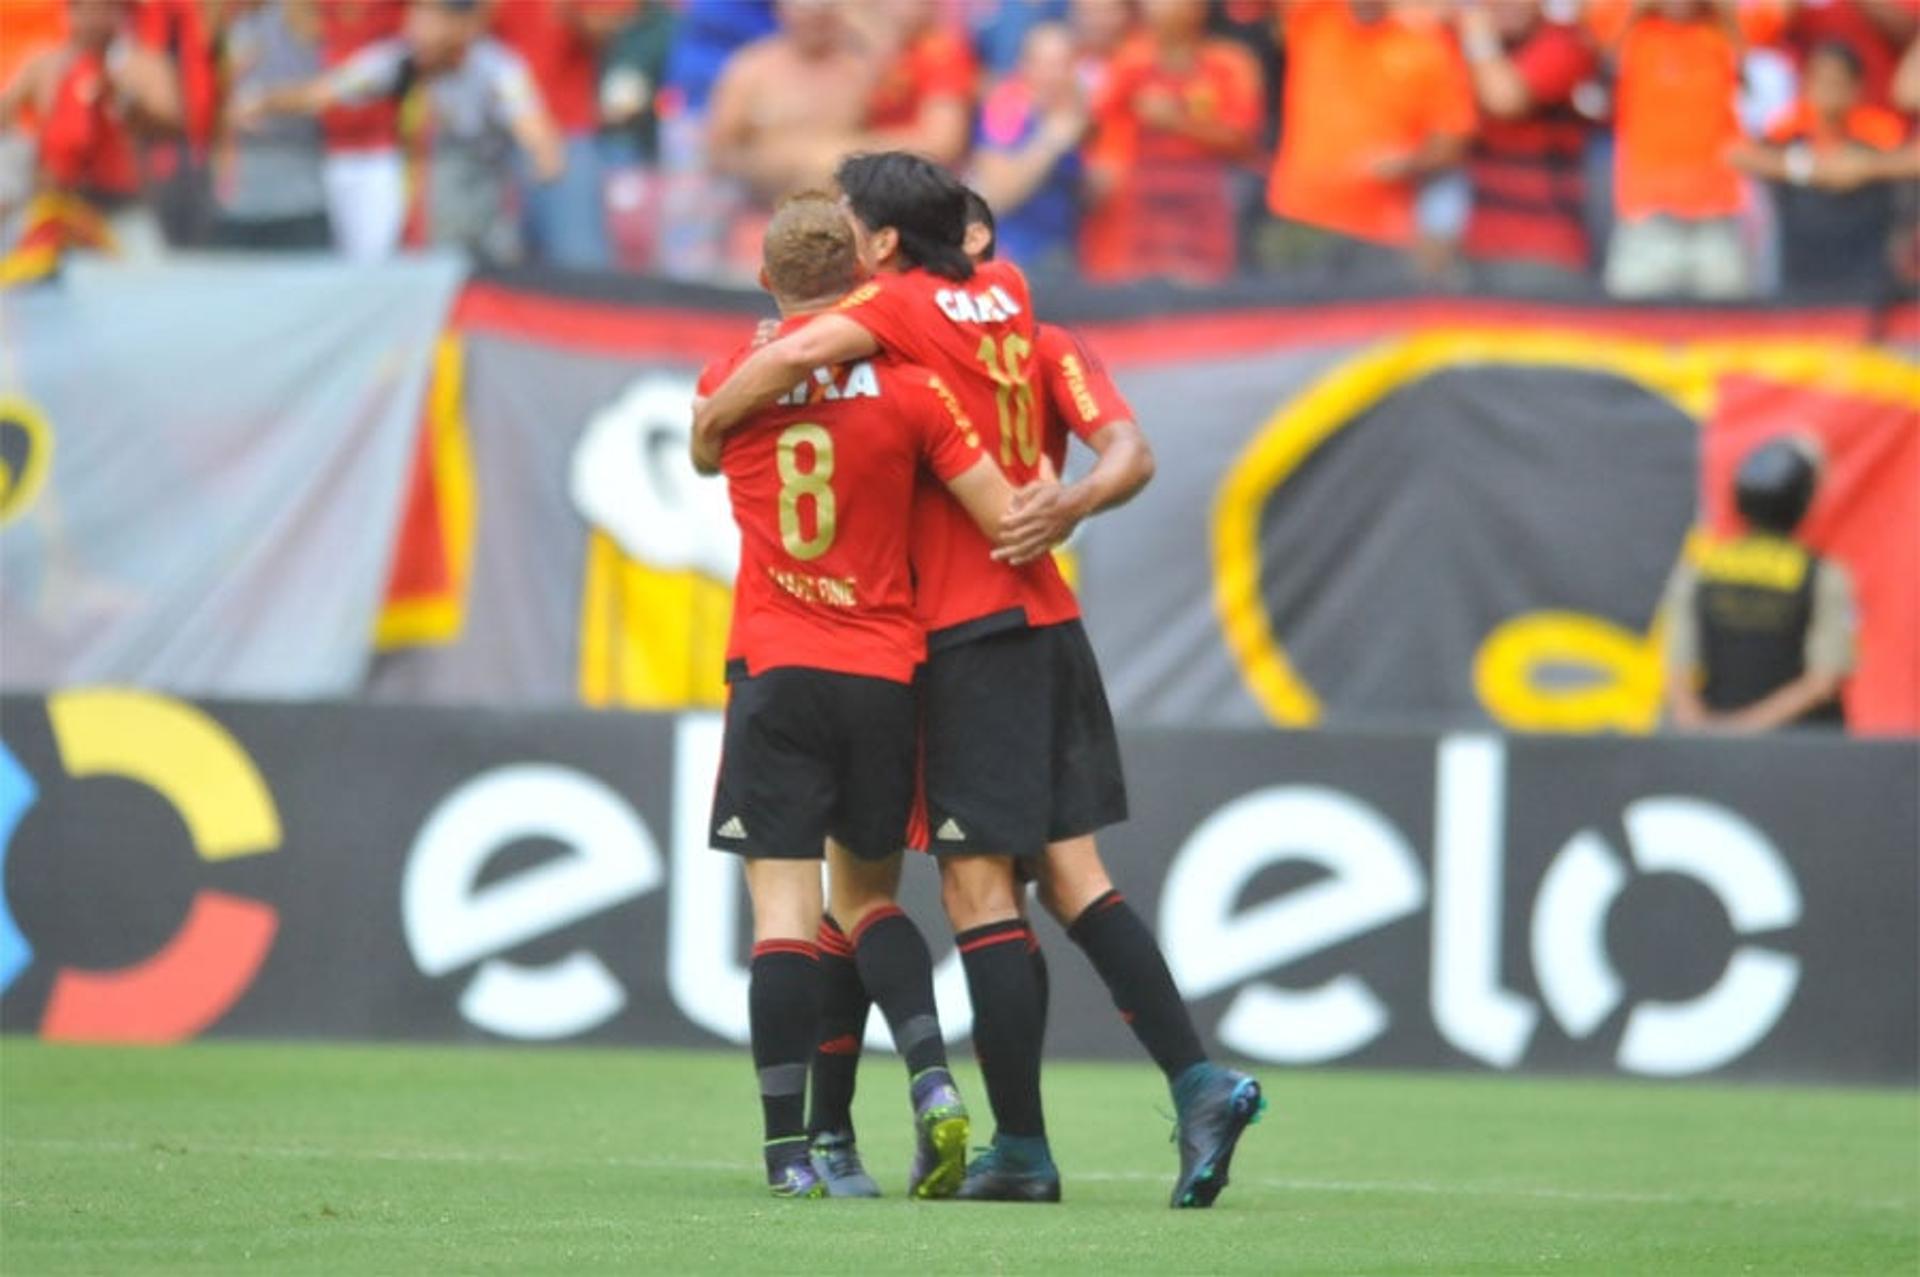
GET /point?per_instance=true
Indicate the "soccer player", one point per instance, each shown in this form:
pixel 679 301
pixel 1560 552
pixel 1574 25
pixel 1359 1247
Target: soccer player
pixel 1020 751
pixel 821 722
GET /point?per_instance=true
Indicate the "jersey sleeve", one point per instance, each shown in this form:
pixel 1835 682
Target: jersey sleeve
pixel 948 442
pixel 883 308
pixel 1076 383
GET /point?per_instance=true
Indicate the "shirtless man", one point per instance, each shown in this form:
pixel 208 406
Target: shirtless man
pixel 788 106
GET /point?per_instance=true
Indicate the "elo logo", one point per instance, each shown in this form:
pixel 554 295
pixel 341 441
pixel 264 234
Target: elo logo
pixel 1373 879
pixel 192 762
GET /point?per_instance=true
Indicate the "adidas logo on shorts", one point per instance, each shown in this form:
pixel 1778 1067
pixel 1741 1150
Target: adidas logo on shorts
pixel 950 831
pixel 734 828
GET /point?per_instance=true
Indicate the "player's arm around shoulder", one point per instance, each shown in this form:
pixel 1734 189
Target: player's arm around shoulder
pixel 704 450
pixel 779 366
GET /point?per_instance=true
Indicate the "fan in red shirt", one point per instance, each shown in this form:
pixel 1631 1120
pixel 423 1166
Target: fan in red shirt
pixel 364 171
pixel 821 718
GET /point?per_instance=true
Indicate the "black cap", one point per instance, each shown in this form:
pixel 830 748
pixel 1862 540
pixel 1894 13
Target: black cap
pixel 1774 486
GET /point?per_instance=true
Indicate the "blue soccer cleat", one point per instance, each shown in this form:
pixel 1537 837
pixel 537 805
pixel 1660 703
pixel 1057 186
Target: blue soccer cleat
pixel 1213 1106
pixel 1015 1169
pixel 836 1161
pixel 940 1131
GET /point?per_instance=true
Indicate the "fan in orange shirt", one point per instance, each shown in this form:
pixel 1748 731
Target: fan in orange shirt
pixel 1676 195
pixel 1376 103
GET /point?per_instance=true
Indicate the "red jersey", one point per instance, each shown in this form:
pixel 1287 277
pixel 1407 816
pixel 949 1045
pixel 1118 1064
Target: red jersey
pixel 823 485
pixel 1077 391
pixel 565 64
pixel 346 27
pixel 84 143
pixel 979 337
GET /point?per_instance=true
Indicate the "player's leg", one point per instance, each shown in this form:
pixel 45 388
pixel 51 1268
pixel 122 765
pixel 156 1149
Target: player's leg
pixel 896 967
pixel 1076 890
pixel 877 787
pixel 844 1004
pixel 987 780
pixel 770 806
pixel 1213 1104
pixel 783 1002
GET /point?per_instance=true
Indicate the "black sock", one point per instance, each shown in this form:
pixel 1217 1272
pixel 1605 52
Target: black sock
pixel 783 1009
pixel 843 1025
pixel 1003 980
pixel 897 971
pixel 1041 979
pixel 1128 958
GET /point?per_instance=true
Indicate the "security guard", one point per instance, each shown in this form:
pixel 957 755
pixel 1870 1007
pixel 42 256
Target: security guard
pixel 1760 630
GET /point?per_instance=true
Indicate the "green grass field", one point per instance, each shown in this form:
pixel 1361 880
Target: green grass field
pixel 387 1159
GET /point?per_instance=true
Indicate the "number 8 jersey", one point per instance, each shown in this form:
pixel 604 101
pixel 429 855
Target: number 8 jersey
pixel 822 486
pixel 978 336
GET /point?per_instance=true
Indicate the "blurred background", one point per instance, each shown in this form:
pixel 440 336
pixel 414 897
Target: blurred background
pixel 1532 568
pixel 1640 148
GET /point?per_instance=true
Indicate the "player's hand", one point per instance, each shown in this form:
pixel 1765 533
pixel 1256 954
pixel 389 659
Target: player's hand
pixel 1039 517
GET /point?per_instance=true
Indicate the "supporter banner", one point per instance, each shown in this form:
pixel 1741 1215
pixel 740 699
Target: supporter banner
pixel 201 471
pixel 1365 512
pixel 1661 908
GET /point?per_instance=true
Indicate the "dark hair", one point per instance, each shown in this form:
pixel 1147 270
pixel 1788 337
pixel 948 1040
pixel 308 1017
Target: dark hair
pixel 1774 486
pixel 978 210
pixel 916 197
pixel 1847 55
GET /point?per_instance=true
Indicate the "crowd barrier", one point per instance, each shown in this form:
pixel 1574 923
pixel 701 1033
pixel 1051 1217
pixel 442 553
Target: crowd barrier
pixel 1649 907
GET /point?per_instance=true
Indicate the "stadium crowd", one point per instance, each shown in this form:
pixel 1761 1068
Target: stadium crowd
pixel 1656 148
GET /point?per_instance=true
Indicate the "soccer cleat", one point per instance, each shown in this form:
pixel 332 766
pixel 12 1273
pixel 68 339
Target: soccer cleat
pixel 1213 1106
pixel 790 1172
pixel 940 1131
pixel 1015 1169
pixel 837 1162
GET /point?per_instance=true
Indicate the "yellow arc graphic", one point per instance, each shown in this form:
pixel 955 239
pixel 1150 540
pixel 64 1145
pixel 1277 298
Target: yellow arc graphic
pixel 179 752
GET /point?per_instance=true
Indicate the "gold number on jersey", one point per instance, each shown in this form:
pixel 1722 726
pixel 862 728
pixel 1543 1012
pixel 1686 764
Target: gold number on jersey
pixel 796 483
pixel 1013 396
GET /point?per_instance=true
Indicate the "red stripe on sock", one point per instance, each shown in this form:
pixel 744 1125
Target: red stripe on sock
pixel 1108 901
pixel 878 915
pixel 834 941
pixel 1002 937
pixel 800 947
pixel 845 1044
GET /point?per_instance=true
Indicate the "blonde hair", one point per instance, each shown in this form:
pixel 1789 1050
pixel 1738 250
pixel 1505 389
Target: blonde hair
pixel 809 251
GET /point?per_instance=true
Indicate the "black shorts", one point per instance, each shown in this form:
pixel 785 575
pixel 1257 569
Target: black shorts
pixel 811 753
pixel 1019 743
